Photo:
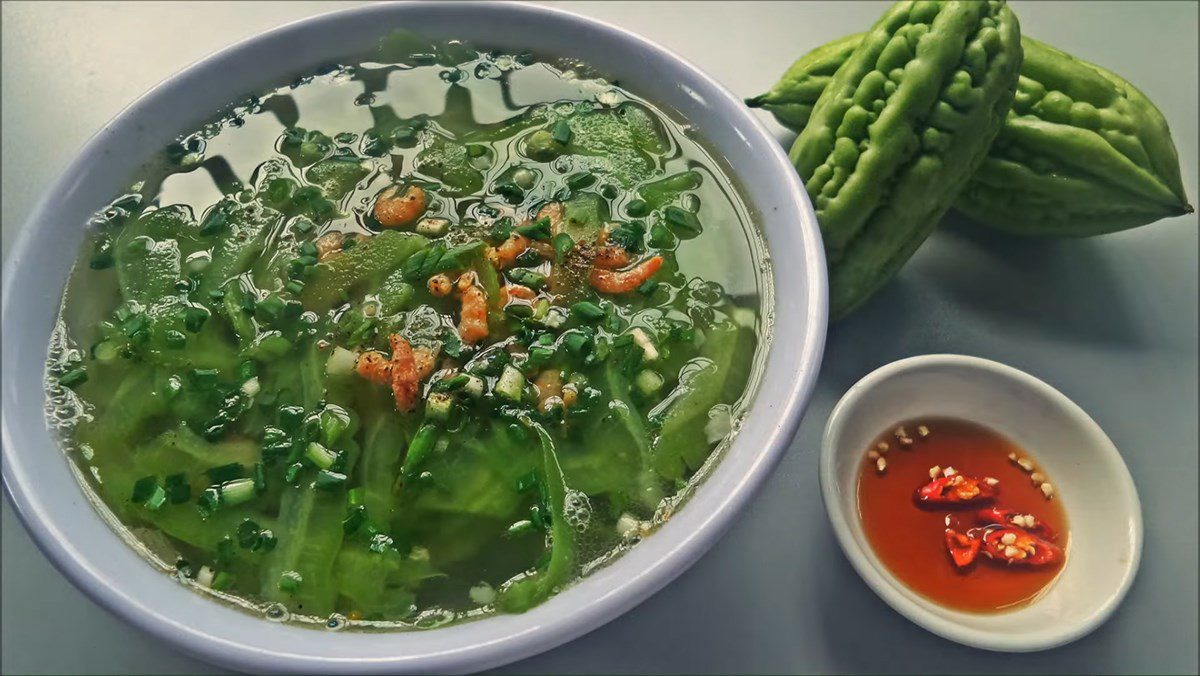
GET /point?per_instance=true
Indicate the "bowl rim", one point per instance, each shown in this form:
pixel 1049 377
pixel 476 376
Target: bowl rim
pixel 891 590
pixel 523 635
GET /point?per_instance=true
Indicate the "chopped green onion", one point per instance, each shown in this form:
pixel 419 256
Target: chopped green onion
pixel 209 500
pixel 563 244
pixel 334 421
pixel 577 342
pixel 581 180
pixel 643 341
pixel 355 496
pixel 73 377
pixel 204 577
pixel 661 237
pixel 290 417
pixel 292 472
pixel 587 311
pixel 172 387
pixel 143 488
pixel 203 378
pixel 270 307
pixel 237 491
pixel 341 362
pixel 136 324
pixel 194 318
pixel 519 310
pixel 354 520
pixel 637 208
pixel 647 287
pixel 320 456
pixel 290 581
pixel 247 533
pixel 422 443
pixel 511 385
pixel 528 258
pixel 539 229
pixel 648 382
pixel 540 356
pixel 223 473
pixel 327 480
pixel 221 580
pixel 501 230
pixel 433 227
pixel 175 339
pixel 266 541
pixel 213 222
pixel 439 406
pixel 473 387
pixel 554 318
pixel 683 219
pixel 260 477
pixel 177 488
pixel 450 384
pixel 561 132
pixel 251 387
pixel 526 277
pixel 105 351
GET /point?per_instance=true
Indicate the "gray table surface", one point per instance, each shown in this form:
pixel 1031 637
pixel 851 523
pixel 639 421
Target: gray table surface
pixel 1111 321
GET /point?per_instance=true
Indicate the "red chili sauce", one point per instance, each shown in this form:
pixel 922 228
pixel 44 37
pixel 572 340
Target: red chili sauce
pixel 909 534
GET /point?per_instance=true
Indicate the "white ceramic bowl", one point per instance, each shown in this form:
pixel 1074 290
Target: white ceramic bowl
pixel 1089 476
pixel 91 555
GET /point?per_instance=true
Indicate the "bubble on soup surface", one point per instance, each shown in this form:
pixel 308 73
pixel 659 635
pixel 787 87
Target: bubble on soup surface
pixel 277 612
pixel 577 510
pixel 336 622
pixel 63 407
pixel 435 617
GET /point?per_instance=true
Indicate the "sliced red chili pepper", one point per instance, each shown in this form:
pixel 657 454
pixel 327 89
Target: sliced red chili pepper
pixel 957 489
pixel 1015 546
pixel 1010 517
pixel 963 548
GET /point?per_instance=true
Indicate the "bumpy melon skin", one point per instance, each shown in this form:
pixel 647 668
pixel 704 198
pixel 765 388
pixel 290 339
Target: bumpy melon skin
pixel 1081 153
pixel 902 125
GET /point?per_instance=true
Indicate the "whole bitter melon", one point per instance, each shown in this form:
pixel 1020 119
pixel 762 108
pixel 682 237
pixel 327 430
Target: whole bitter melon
pixel 791 100
pixel 901 126
pixel 1082 152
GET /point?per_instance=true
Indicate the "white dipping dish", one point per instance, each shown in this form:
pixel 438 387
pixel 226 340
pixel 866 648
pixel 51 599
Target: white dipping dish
pixel 74 536
pixel 1088 473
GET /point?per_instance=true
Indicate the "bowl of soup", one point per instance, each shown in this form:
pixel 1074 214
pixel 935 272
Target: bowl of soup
pixel 428 347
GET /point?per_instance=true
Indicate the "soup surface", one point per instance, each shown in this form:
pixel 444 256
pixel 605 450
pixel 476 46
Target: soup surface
pixel 955 548
pixel 413 339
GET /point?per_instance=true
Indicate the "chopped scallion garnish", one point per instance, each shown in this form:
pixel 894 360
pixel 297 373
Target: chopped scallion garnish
pixel 319 455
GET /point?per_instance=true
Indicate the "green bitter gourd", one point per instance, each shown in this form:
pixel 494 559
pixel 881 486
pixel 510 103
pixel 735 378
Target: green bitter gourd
pixel 899 129
pixel 1081 153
